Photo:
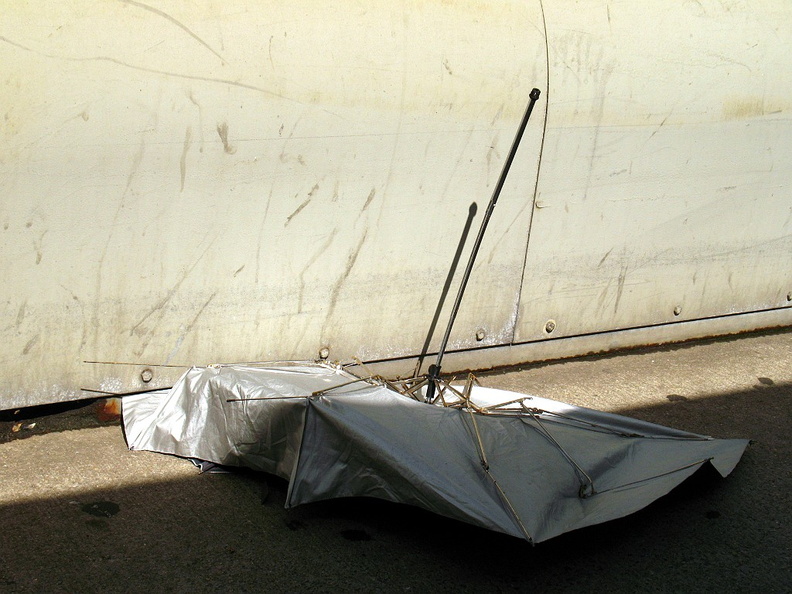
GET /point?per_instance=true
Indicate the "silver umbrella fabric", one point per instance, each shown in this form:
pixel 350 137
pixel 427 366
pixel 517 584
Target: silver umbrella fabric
pixel 518 464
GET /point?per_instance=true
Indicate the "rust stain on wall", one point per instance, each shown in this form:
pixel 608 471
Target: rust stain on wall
pixel 753 107
pixel 222 132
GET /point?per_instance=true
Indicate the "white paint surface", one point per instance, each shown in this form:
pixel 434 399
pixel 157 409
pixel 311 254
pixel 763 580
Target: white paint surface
pixel 236 181
pixel 667 167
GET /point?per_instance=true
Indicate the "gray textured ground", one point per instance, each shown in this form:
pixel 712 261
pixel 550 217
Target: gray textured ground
pixel 78 512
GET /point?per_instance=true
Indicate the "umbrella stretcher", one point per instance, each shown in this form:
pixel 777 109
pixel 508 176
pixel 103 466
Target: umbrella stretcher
pixel 518 464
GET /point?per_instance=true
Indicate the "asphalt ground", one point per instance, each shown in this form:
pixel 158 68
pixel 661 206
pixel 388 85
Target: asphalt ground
pixel 81 513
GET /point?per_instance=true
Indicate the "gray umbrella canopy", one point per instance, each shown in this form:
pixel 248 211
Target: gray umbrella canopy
pixel 523 465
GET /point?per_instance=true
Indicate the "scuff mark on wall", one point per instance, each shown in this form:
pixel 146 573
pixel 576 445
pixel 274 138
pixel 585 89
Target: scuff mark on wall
pixel 136 161
pixel 222 132
pixel 30 344
pixel 185 330
pixel 497 115
pixel 336 290
pixel 322 249
pixel 620 288
pixel 605 257
pixel 176 22
pixel 260 241
pixel 183 161
pixel 21 314
pixel 662 123
pixel 75 299
pixel 297 211
pixel 369 199
pixel 159 307
pixel 492 151
pixel 37 248
pixel 505 233
pixel 180 75
pixel 194 101
pixel 753 107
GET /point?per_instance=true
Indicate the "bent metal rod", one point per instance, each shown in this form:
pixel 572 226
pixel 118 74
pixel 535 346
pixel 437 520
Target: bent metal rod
pixel 433 373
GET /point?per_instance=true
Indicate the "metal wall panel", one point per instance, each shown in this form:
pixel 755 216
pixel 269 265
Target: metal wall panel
pixel 186 184
pixel 664 191
pixel 252 180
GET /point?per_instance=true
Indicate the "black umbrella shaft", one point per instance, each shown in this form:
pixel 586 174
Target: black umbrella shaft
pixel 434 370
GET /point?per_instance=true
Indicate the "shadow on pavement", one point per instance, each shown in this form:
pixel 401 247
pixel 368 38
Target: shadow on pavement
pixel 231 533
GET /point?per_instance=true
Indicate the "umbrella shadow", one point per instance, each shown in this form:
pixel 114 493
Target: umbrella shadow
pixel 231 531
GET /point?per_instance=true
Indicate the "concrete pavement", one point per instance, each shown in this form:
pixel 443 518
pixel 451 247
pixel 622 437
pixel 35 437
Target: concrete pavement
pixel 79 512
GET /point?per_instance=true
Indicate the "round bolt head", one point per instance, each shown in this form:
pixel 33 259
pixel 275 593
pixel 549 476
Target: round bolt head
pixel 324 353
pixel 550 326
pixel 480 334
pixel 789 296
pixel 146 375
pixel 677 310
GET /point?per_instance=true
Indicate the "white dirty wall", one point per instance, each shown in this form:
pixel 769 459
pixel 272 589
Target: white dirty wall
pixel 257 180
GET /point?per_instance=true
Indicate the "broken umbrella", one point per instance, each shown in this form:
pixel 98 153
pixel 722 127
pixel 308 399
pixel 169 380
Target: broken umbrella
pixel 515 463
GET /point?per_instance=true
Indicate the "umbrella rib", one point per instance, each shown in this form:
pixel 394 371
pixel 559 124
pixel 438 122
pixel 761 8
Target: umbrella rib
pixel 595 426
pixel 410 391
pixel 349 383
pixel 164 391
pixel 510 507
pixel 273 366
pixel 592 426
pixel 651 478
pixel 369 380
pixel 479 443
pixel 464 400
pixel 498 409
pixel 501 493
pixel 253 398
pixel 583 485
pixel 495 407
